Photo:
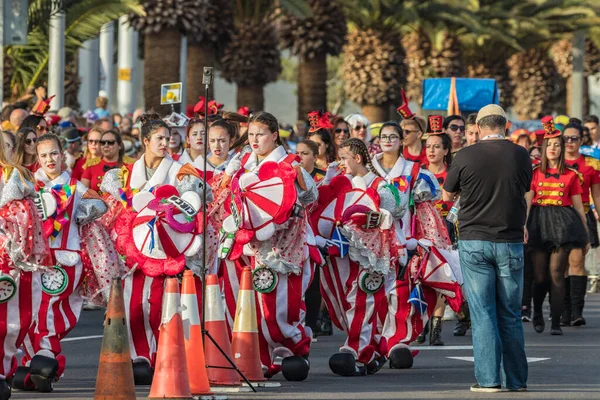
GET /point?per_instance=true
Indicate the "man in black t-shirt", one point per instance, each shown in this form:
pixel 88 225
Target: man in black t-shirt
pixel 492 177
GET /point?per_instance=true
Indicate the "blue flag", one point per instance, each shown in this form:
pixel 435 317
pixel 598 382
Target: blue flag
pixel 417 299
pixel 340 241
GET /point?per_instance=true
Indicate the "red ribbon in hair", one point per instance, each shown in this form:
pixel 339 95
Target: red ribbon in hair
pixel 213 107
pixel 319 120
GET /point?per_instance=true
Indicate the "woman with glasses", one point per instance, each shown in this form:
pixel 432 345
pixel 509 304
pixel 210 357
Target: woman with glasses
pixel 556 225
pixel 359 128
pixel 420 224
pixel 341 132
pixel 454 125
pixel 413 149
pixel 37 123
pixel 10 143
pixel 92 150
pixel 588 169
pixel 112 156
pixel 25 153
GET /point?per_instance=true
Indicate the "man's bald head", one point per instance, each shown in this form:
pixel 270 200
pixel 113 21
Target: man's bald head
pixel 17 117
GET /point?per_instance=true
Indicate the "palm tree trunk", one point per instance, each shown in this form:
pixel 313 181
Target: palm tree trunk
pixel 200 55
pixel 251 96
pixel 312 85
pixel 376 113
pixel 161 65
pixel 586 96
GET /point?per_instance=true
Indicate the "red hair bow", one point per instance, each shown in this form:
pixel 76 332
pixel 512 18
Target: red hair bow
pixel 213 107
pixel 244 111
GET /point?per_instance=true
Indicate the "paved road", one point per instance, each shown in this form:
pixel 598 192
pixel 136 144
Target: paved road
pixel 561 367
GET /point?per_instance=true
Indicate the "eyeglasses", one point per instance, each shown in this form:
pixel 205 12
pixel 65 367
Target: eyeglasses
pixel 94 142
pixel 108 142
pixel 455 128
pixel 42 128
pixel 408 132
pixel 359 127
pixel 340 130
pixel 391 138
pixel 30 141
pixel 572 139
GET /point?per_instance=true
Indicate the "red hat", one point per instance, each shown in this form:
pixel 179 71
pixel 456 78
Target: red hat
pixel 43 107
pixel 549 128
pixel 539 137
pixel 319 120
pixel 53 120
pixel 244 111
pixel 435 125
pixel 213 107
pixel 404 110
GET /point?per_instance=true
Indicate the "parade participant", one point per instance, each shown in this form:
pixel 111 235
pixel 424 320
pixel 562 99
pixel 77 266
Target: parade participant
pixel 10 144
pixel 75 206
pixel 556 225
pixel 194 137
pixel 363 254
pixel 413 128
pixel 112 156
pixel 341 132
pixel 471 134
pixel 176 148
pixel 454 126
pixel 419 188
pixel 318 132
pixel 359 128
pixel 25 152
pixel 143 285
pixel 73 151
pixel 23 252
pixel 588 169
pixel 220 137
pixel 308 151
pixel 92 150
pixel 276 242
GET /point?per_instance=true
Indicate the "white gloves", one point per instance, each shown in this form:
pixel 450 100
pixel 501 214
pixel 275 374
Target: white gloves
pixel 332 171
pixel 321 242
pixel 234 165
pixel 411 244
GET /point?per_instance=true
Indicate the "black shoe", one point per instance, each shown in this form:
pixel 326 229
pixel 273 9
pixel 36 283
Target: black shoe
pixel 344 364
pixel 376 364
pixel 142 373
pixel 22 379
pixel 565 318
pixel 579 321
pixel 326 325
pixel 481 389
pixel 4 390
pixel 43 372
pixel 295 368
pixel 423 335
pixel 401 358
pixel 525 314
pixel 556 331
pixel 435 337
pixel 538 322
pixel 461 328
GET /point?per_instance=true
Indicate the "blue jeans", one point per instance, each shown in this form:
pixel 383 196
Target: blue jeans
pixel 493 283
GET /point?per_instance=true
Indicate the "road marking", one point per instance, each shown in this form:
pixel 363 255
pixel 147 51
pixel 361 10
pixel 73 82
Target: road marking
pixel 74 339
pixel 472 359
pixel 438 348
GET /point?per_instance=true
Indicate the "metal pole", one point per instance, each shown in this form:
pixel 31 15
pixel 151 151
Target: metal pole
pixel 56 60
pixel 88 70
pixel 578 75
pixel 182 74
pixel 107 51
pixel 127 61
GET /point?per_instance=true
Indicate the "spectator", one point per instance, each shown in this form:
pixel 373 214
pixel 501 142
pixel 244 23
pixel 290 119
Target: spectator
pixel 591 122
pixel 116 119
pixel 37 123
pixel 25 152
pixel 125 126
pixel 471 134
pixel 454 125
pixel 101 108
pixel 10 142
pixel 493 178
pixel 17 117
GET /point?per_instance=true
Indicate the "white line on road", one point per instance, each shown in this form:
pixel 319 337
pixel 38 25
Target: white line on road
pixel 472 359
pixel 74 339
pixel 441 348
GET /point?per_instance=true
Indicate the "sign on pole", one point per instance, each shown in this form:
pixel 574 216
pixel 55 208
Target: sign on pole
pixel 15 22
pixel 170 93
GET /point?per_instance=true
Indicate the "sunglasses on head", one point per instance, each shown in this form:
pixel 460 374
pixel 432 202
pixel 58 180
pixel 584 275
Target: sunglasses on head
pixel 108 142
pixel 455 128
pixel 340 130
pixel 42 128
pixel 30 141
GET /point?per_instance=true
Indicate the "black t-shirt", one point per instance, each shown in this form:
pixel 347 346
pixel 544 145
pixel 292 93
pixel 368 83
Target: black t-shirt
pixel 492 177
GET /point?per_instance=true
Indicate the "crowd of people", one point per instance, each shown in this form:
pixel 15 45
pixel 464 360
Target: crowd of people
pixel 345 226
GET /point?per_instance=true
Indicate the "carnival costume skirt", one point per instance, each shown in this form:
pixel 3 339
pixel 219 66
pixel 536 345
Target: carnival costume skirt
pixel 554 227
pixel 592 229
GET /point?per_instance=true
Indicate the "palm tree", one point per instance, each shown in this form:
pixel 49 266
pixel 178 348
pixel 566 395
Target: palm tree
pixel 251 59
pixel 28 63
pixel 313 39
pixel 374 67
pixel 203 46
pixel 163 24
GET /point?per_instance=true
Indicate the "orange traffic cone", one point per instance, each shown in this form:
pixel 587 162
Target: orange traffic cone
pixel 192 334
pixel 245 331
pixel 170 373
pixel 115 372
pixel 214 323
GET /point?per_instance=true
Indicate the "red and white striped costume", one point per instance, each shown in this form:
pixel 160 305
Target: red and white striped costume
pixel 142 293
pixel 290 253
pixel 59 312
pixel 23 253
pixel 357 312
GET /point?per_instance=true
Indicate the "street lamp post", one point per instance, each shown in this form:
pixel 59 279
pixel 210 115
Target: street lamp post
pixel 56 60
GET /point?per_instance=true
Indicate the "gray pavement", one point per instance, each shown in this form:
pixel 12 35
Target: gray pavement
pixel 561 367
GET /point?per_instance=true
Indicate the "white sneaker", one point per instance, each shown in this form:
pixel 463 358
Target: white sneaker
pixel 481 389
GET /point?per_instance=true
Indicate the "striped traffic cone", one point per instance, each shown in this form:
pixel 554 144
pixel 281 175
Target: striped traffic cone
pixel 245 331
